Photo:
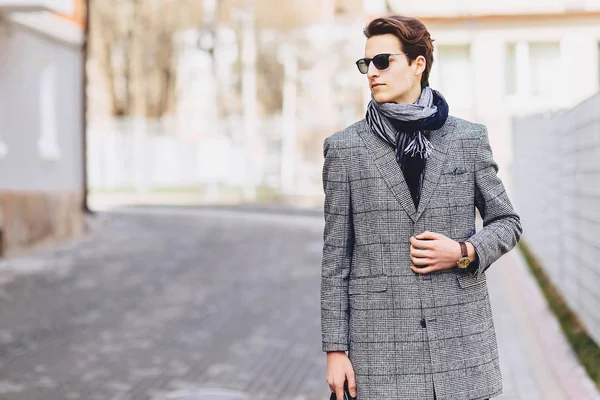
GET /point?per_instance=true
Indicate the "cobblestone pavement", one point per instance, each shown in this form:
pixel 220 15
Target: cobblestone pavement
pixel 165 303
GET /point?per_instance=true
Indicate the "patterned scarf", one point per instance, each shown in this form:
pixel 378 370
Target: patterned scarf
pixel 405 126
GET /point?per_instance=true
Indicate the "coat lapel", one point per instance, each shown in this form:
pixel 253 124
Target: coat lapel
pixel 385 159
pixel 440 139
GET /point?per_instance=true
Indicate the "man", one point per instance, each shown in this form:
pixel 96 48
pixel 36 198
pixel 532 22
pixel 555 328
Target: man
pixel 403 287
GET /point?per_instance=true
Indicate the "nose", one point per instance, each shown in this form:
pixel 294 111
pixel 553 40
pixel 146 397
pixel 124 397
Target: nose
pixel 372 71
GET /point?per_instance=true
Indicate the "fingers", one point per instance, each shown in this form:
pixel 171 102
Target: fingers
pixel 337 388
pixel 422 261
pixel 429 235
pixel 422 244
pixel 339 391
pixel 336 384
pixel 351 383
pixel 423 271
pixel 331 388
pixel 420 253
pixel 332 382
pixel 339 370
pixel 421 257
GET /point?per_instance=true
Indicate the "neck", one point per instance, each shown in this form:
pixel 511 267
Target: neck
pixel 411 96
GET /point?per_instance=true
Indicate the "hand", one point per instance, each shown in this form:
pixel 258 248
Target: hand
pixel 339 368
pixel 434 250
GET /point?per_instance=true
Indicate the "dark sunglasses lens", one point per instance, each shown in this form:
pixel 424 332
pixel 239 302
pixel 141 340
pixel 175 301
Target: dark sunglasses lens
pixel 362 65
pixel 381 61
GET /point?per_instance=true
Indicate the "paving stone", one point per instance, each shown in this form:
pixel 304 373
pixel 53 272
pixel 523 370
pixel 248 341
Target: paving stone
pixel 160 303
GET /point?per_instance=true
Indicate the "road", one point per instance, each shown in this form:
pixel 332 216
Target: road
pixel 163 303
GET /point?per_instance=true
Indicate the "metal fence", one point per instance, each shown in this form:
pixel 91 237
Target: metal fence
pixel 557 182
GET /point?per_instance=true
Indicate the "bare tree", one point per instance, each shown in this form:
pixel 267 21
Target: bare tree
pixel 222 17
pixel 270 78
pixel 105 32
pixel 132 42
pixel 389 8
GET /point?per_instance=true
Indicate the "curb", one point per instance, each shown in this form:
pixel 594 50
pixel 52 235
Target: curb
pixel 569 372
pixel 241 208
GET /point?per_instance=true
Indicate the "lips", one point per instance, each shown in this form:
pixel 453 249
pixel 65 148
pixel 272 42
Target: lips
pixel 374 85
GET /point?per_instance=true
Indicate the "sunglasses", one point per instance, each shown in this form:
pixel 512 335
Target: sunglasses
pixel 380 61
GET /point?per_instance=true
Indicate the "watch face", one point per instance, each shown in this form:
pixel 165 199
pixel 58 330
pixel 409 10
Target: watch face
pixel 464 262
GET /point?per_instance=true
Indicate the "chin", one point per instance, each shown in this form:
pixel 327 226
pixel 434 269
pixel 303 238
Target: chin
pixel 386 97
pixel 382 97
pixel 389 98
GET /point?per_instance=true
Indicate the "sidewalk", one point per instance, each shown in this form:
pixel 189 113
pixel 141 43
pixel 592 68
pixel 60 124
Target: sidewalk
pixel 536 359
pixel 104 201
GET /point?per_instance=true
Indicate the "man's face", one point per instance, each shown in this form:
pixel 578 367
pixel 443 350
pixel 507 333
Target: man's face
pixel 399 82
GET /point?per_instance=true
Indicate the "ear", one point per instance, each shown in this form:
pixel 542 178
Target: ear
pixel 419 65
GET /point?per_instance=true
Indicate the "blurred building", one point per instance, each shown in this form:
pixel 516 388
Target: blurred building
pixel 260 84
pixel 301 55
pixel 263 86
pixel 497 60
pixel 493 61
pixel 41 121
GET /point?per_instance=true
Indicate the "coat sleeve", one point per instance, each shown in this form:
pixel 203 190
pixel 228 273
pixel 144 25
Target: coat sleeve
pixel 501 224
pixel 338 236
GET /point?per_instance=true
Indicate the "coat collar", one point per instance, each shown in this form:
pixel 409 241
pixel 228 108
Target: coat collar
pixel 385 159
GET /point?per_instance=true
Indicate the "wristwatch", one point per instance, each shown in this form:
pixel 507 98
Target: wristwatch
pixel 464 260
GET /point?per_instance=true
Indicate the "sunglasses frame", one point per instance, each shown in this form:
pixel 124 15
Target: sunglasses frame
pixel 367 61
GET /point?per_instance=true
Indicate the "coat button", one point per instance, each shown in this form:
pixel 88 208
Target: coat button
pixel 423 323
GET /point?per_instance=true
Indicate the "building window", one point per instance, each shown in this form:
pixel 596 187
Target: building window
pixel 511 69
pixel 48 143
pixel 454 75
pixel 538 71
pixel 544 70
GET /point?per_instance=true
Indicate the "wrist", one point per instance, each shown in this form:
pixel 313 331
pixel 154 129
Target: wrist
pixel 472 251
pixel 457 251
pixel 465 249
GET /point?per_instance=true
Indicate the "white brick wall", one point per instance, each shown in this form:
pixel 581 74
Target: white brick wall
pixel 557 181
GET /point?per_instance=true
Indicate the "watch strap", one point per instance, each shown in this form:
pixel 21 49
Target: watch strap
pixel 463 249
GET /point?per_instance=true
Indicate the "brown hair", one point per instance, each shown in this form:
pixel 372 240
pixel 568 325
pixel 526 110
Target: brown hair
pixel 413 34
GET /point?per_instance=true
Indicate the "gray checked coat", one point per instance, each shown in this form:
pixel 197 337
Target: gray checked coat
pixel 408 334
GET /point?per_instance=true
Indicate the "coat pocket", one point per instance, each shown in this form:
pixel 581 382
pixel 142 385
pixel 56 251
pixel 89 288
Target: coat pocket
pixel 466 281
pixel 370 284
pixel 459 171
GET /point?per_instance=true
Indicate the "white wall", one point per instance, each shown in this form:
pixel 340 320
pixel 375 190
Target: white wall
pixel 40 115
